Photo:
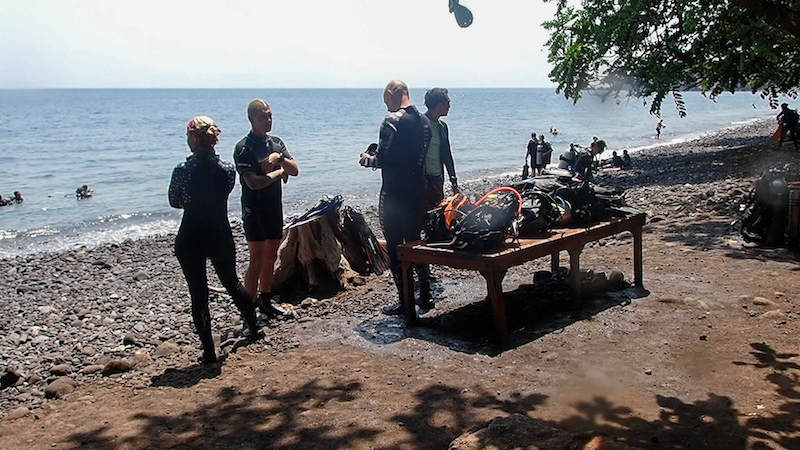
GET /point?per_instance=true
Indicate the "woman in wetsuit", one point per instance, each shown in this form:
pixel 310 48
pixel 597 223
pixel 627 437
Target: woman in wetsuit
pixel 201 186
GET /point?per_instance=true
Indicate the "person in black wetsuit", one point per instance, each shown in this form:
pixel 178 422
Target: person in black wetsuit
pixel 262 162
pixel 404 138
pixel 530 153
pixel 200 186
pixel 583 167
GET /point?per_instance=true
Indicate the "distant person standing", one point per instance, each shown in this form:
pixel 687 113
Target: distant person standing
pixel 567 159
pixel 200 186
pixel 659 126
pixel 544 152
pixel 530 153
pixel 404 138
pixel 439 155
pixel 584 165
pixel 788 122
pixel 262 161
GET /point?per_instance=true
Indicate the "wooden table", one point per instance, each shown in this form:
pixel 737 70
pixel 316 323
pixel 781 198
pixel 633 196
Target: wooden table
pixel 493 266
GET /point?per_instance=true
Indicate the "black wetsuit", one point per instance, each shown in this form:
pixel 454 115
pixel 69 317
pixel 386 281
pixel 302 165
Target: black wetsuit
pixel 201 186
pixel 404 138
pixel 583 166
pixel 262 210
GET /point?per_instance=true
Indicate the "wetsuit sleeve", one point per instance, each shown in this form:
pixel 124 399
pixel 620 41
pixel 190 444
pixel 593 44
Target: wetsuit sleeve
pixel 584 166
pixel 177 186
pixel 279 147
pixel 244 159
pixel 230 175
pixel 385 139
pixel 447 154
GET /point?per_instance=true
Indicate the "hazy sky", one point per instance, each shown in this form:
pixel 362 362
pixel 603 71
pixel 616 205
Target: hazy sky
pixel 273 43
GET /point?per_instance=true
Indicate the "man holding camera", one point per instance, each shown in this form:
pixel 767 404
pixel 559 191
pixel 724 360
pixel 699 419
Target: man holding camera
pixel 402 147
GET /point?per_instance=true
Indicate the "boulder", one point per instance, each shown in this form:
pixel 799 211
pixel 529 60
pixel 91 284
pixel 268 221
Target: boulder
pixel 94 368
pixel 59 388
pixel 515 431
pixel 117 366
pixel 10 378
pixel 17 413
pixel 166 348
pixel 61 369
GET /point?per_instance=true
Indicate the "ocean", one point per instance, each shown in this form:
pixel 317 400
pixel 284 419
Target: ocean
pixel 125 143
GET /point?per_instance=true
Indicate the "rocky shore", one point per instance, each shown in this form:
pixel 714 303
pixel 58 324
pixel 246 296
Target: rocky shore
pixel 120 313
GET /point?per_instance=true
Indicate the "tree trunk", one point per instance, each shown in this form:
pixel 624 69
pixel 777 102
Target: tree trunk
pixel 311 255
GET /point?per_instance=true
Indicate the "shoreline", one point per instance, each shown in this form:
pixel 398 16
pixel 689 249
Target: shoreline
pixel 362 203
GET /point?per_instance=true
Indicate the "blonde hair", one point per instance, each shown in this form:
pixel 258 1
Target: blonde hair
pixel 205 129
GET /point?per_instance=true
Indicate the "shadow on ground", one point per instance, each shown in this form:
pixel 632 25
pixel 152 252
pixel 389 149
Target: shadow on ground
pixel 532 311
pixel 716 233
pixel 309 416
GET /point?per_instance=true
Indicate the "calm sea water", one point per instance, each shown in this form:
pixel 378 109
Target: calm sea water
pixel 124 144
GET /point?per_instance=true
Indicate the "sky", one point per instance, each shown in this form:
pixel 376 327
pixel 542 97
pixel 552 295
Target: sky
pixel 270 44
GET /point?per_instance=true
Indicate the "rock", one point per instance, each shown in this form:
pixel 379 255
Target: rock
pixel 88 350
pixel 141 357
pixel 648 371
pixel 308 302
pixel 94 368
pixel 33 379
pixel 117 366
pixel 359 281
pixel 46 309
pixel 140 327
pixel 541 276
pixel 59 388
pixel 10 378
pixel 61 369
pixel 704 338
pixel 166 348
pixel 130 339
pixel 774 314
pixel 17 413
pixel 140 275
pixel 761 301
pixel 515 431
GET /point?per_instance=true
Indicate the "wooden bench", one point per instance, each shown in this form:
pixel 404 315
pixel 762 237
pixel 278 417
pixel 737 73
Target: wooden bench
pixel 493 266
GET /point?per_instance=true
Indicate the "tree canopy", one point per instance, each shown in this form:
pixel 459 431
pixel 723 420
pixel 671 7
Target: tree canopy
pixel 654 48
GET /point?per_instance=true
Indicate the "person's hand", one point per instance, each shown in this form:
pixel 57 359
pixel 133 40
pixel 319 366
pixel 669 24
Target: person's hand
pixel 363 159
pixel 275 158
pixel 284 176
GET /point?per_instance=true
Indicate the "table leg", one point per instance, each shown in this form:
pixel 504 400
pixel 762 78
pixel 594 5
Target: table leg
pixel 637 257
pixel 575 275
pixel 407 291
pixel 494 287
pixel 554 261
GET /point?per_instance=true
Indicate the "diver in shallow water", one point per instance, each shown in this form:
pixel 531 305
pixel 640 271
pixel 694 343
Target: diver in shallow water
pixel 83 192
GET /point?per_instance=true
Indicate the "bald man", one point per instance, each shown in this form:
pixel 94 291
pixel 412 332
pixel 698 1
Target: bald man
pixel 403 144
pixel 262 161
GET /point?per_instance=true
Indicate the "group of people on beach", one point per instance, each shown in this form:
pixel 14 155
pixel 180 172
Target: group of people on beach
pixel 579 161
pixel 413 152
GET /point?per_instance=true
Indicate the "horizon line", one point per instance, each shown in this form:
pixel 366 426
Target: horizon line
pixel 250 88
